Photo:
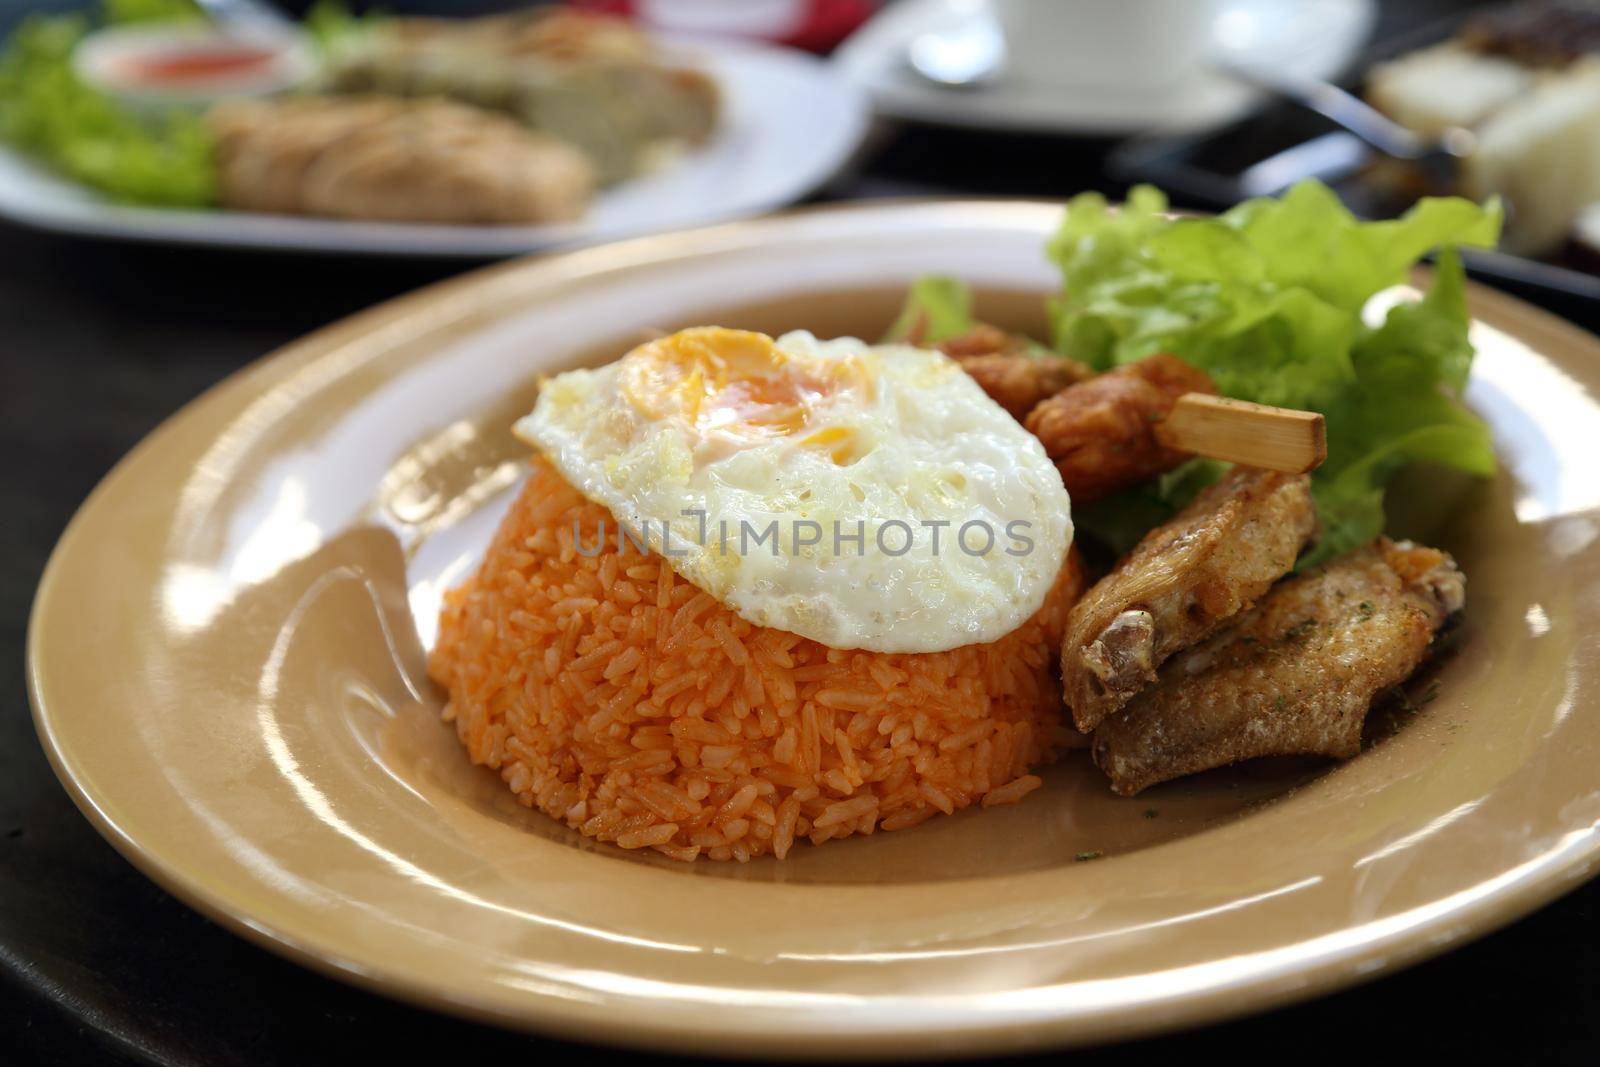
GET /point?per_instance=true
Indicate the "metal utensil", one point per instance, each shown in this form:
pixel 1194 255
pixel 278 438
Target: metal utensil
pixel 1439 158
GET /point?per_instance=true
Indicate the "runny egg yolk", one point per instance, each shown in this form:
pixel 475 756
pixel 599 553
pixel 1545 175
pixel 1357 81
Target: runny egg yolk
pixel 734 388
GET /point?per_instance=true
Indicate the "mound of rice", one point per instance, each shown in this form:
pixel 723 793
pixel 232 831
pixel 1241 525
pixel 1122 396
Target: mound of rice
pixel 620 699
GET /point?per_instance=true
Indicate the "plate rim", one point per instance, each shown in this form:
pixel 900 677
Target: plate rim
pixel 1553 872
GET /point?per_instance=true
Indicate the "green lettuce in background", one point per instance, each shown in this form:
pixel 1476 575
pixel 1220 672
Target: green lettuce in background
pixel 47 112
pixel 164 160
pixel 150 11
pixel 1267 298
pixel 937 308
pixel 334 28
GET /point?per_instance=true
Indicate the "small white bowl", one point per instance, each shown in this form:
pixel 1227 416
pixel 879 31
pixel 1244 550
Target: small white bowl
pixel 166 66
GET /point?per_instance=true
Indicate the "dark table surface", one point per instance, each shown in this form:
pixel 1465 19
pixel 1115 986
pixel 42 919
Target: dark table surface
pixel 100 342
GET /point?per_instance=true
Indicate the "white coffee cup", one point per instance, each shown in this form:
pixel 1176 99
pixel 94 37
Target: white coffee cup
pixel 1130 45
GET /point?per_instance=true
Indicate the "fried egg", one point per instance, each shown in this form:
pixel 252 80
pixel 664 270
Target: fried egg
pixel 863 496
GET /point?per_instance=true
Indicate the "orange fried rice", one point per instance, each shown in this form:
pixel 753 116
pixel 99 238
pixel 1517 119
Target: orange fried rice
pixel 622 700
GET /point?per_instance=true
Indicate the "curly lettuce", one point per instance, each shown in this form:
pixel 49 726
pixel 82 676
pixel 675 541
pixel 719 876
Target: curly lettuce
pixel 336 30
pixel 125 11
pixel 937 308
pixel 1268 299
pixel 49 113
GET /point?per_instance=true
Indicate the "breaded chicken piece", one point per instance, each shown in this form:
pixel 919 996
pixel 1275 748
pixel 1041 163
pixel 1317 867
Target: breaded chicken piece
pixel 983 340
pixel 1073 581
pixel 264 148
pixel 399 160
pixel 1179 585
pixel 1295 676
pixel 1101 432
pixel 546 32
pixel 1010 368
pixel 1020 383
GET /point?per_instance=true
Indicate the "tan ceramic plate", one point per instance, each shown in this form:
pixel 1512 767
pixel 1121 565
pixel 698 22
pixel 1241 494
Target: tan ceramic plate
pixel 226 659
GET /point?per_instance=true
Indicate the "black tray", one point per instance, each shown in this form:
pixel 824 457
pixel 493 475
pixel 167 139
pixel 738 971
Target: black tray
pixel 1261 154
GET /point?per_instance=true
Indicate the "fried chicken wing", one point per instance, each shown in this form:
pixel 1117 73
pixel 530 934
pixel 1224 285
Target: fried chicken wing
pixel 1179 585
pixel 1294 676
pixel 1100 432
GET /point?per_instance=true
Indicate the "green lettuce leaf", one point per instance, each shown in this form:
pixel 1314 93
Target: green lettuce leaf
pixel 121 11
pixel 47 112
pixel 1268 299
pixel 936 309
pixel 335 29
pixel 1402 406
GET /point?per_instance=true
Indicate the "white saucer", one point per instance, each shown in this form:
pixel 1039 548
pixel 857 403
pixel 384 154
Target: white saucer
pixel 1314 37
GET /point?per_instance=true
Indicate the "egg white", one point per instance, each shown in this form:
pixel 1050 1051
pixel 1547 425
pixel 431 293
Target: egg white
pixel 894 435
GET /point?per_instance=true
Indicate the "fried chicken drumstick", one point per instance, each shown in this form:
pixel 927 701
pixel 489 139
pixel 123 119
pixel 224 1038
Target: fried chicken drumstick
pixel 1101 432
pixel 1130 424
pixel 1295 675
pixel 1015 376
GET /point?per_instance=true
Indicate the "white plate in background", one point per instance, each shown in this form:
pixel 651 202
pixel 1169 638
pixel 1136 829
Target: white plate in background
pixel 789 123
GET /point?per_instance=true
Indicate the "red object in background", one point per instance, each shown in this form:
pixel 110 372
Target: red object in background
pixel 197 63
pixel 825 22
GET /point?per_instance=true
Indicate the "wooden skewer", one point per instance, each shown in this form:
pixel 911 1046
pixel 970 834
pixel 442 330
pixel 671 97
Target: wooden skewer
pixel 1274 439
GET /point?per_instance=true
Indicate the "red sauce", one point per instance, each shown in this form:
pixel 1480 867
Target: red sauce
pixel 199 62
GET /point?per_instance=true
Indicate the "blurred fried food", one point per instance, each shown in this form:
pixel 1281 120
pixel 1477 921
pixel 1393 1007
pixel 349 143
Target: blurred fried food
pixel 1100 431
pixel 1180 584
pixel 397 160
pixel 547 32
pixel 592 80
pixel 1294 676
